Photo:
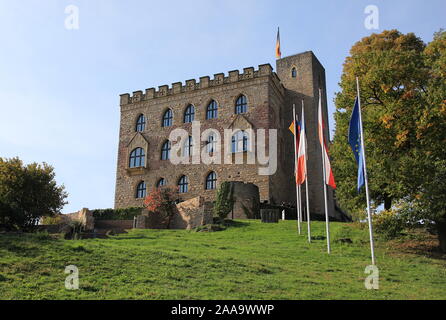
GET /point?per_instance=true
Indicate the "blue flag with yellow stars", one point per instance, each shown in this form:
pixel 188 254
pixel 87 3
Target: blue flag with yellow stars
pixel 354 139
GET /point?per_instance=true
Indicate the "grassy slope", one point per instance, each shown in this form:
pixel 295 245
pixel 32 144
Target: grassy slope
pixel 251 261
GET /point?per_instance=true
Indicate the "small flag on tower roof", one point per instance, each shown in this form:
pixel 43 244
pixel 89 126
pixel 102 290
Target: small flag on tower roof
pixel 278 52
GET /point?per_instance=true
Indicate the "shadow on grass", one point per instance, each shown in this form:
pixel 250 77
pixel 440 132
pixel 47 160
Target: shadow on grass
pixel 132 238
pixel 24 246
pixel 88 288
pixel 235 224
pixel 426 246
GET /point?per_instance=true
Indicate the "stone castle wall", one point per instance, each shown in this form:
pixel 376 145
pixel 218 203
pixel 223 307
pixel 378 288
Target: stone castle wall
pixel 84 216
pixel 246 201
pixel 188 214
pixel 191 214
pixel 255 88
pixel 270 98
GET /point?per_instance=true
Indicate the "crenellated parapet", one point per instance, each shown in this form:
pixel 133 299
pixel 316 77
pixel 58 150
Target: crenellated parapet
pixel 192 85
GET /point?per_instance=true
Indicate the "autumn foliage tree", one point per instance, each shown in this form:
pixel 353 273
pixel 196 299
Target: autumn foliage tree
pixel 161 202
pixel 428 199
pixel 403 90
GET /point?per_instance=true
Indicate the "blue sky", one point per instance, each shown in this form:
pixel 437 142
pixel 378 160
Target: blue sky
pixel 59 88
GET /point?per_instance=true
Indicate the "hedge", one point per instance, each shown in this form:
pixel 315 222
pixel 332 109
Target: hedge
pixel 116 214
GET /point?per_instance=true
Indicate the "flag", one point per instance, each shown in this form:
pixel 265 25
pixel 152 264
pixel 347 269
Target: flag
pixel 278 52
pixel 329 178
pixel 354 139
pixel 301 155
pixel 291 127
pixel 293 130
pixel 297 136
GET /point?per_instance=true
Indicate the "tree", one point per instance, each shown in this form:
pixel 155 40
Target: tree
pixel 224 202
pixel 160 202
pixel 28 193
pixel 402 84
pixel 392 77
pixel 428 198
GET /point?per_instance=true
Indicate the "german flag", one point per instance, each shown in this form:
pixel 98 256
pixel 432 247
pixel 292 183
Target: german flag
pixel 278 52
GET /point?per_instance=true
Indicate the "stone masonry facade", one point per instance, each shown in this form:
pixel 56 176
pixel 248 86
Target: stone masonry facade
pixel 270 97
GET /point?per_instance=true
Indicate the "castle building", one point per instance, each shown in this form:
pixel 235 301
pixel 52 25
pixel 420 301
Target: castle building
pixel 242 102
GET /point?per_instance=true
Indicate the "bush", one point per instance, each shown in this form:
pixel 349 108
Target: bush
pixel 116 214
pixel 52 220
pixel 224 202
pixel 389 224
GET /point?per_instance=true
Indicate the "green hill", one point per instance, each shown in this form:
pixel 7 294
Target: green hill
pixel 249 260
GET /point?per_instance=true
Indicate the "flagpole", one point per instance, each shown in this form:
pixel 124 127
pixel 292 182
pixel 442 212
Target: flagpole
pixel 306 178
pixel 300 204
pixel 295 169
pixel 369 214
pixel 327 220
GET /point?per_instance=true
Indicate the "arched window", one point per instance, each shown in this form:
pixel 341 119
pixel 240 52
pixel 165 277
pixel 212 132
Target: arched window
pixel 188 148
pixel 212 110
pixel 161 183
pixel 137 158
pixel 165 151
pixel 140 123
pixel 241 105
pixel 141 190
pixel 211 143
pixel 167 118
pixel 189 114
pixel 211 181
pixel 240 141
pixel 294 72
pixel 183 184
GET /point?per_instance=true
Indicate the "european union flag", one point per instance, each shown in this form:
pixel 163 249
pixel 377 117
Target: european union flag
pixel 354 139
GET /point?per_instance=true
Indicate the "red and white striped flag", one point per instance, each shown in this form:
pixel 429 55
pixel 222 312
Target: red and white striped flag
pixel 302 153
pixel 329 178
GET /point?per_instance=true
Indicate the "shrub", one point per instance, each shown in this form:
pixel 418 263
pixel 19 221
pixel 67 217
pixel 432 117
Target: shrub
pixel 116 214
pixel 52 220
pixel 389 224
pixel 224 202
pixel 161 202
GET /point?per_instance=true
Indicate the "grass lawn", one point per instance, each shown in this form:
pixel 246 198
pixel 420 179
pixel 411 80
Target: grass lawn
pixel 250 260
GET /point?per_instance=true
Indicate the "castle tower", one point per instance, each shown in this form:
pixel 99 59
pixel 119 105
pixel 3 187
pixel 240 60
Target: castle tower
pixel 302 75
